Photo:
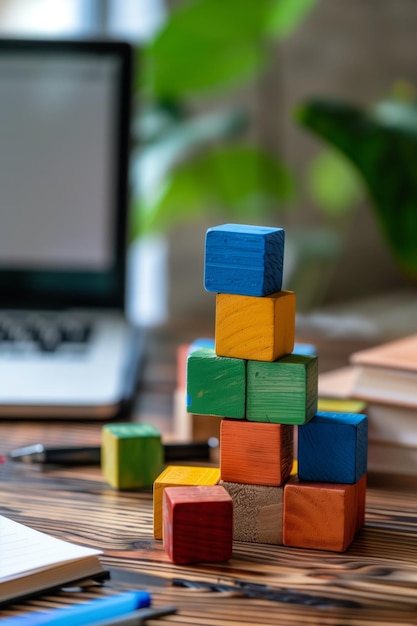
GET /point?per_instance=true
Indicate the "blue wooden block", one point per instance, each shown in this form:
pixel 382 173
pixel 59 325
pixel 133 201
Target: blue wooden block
pixel 201 342
pixel 306 349
pixel 333 447
pixel 244 260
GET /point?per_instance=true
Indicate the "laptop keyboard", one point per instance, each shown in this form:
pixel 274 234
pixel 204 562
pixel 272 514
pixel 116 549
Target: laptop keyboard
pixel 29 334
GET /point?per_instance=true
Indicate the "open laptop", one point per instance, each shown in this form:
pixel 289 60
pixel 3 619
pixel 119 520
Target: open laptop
pixel 66 349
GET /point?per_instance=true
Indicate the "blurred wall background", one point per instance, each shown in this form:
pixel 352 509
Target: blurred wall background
pixel 355 50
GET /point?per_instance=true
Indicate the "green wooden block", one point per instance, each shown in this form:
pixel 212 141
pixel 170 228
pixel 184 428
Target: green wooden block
pixel 215 385
pixel 284 391
pixel 131 455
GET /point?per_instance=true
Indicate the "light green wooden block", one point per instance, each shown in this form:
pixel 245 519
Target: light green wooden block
pixel 131 455
pixel 284 391
pixel 215 385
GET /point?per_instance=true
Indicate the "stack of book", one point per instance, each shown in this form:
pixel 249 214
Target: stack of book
pixel 384 378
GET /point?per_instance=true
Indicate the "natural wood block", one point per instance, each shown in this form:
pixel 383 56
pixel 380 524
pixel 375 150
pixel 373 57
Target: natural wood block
pixel 243 259
pixel 333 447
pixel 131 455
pixel 323 516
pixel 257 512
pixel 198 524
pixel 215 385
pixel 178 476
pixel 284 391
pixel 255 453
pixel 248 327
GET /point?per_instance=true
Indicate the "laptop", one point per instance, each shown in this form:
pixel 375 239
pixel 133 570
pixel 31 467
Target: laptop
pixel 66 347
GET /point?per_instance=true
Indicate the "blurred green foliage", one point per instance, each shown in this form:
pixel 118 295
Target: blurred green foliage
pixel 187 163
pixel 381 144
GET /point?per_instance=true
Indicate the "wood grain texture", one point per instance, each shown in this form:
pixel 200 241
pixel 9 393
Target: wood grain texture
pixel 178 476
pixel 333 447
pixel 244 259
pixel 317 515
pixel 284 391
pixel 257 512
pixel 131 455
pixel 215 385
pixel 254 328
pixel 198 524
pixel 255 453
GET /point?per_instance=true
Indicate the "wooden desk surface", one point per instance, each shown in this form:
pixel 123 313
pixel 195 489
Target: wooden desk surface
pixel 374 582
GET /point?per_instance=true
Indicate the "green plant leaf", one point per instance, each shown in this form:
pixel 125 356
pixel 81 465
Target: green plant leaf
pixel 207 45
pixel 286 16
pixel 333 183
pixel 386 157
pixel 240 181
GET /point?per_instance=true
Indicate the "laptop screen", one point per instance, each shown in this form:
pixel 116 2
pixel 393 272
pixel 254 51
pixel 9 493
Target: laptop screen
pixel 64 128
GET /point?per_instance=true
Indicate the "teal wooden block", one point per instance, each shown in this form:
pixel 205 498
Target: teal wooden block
pixel 215 385
pixel 284 391
pixel 131 455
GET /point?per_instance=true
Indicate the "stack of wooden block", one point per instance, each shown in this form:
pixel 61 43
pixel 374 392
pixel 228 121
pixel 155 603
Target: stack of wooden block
pixel 261 389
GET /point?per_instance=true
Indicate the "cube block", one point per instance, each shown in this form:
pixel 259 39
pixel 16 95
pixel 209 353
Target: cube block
pixel 332 447
pixel 215 385
pixel 131 455
pixel 323 516
pixel 198 524
pixel 257 512
pixel 179 476
pixel 255 453
pixel 254 328
pixel 284 391
pixel 242 259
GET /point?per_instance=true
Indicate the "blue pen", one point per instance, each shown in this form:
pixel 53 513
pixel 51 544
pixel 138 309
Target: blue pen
pixel 82 614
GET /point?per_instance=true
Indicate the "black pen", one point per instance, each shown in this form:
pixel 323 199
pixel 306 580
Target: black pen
pixel 90 455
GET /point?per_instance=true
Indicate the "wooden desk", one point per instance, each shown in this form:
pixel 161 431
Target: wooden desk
pixel 374 582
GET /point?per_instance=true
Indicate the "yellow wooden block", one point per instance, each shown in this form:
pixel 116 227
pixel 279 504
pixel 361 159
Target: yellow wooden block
pixel 176 476
pixel 337 405
pixel 255 328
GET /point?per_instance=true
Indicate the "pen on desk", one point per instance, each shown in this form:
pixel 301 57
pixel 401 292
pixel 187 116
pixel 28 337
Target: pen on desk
pixel 90 455
pixel 94 611
pixel 136 617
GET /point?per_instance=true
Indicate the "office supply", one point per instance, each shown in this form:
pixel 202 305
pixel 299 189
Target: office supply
pixel 387 373
pixel 111 607
pixel 91 455
pixel 32 561
pixel 66 347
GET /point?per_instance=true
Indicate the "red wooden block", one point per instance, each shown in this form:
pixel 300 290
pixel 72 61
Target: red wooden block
pixel 197 524
pixel 323 516
pixel 255 453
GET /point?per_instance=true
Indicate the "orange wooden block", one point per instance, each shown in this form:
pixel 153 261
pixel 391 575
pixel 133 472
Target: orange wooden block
pixel 361 502
pixel 323 516
pixel 255 328
pixel 198 524
pixel 256 453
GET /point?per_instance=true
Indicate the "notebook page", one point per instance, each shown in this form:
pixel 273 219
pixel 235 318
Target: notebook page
pixel 24 550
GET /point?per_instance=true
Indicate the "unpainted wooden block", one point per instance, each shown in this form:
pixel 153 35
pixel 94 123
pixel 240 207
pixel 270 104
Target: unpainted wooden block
pixel 284 391
pixel 215 385
pixel 333 447
pixel 323 516
pixel 179 476
pixel 131 455
pixel 248 327
pixel 244 259
pixel 255 453
pixel 257 512
pixel 198 524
